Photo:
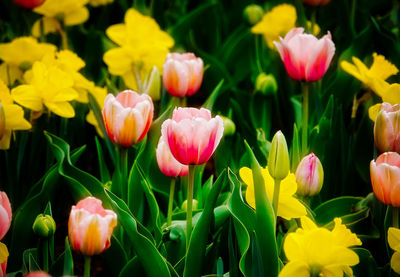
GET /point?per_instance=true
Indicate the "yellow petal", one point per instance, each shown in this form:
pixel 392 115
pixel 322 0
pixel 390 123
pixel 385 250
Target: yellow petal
pixel 5 97
pixel 373 111
pixel 307 224
pixel 296 268
pixel 63 109
pixel 70 60
pixel 5 140
pixel 395 262
pixel 27 96
pixel 50 25
pixel 15 118
pixel 392 94
pixel 332 271
pixel 130 80
pixel 246 175
pixel 76 17
pixel 352 70
pixel 394 238
pixel 10 73
pixel 3 253
pixel 64 95
pixel 381 68
pixel 344 236
pixel 118 61
pixel 117 33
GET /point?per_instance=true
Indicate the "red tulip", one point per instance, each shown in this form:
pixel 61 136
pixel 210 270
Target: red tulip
pixel 316 2
pixel 37 274
pixel 29 4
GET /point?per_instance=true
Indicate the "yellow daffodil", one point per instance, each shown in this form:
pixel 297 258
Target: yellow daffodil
pixel 314 251
pixel 372 77
pixel 70 12
pixel 19 55
pixel 13 118
pixel 142 45
pixel 288 206
pixel 3 253
pixel 99 94
pixel 97 3
pixel 48 85
pixel 394 243
pixel 276 23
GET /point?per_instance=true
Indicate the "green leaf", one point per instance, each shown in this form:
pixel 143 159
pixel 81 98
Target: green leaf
pixel 209 104
pixel 104 172
pixel 68 260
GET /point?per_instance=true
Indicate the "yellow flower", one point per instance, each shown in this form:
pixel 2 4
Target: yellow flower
pixel 288 206
pixel 20 54
pixel 276 23
pixel 142 45
pixel 3 253
pixel 96 3
pixel 13 116
pixel 314 251
pixel 99 94
pixel 372 77
pixel 394 243
pixel 48 85
pixel 71 12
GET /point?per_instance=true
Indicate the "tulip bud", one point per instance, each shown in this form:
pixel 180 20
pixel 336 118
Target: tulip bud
pixel 37 274
pixel 387 128
pixel 316 2
pixel 194 205
pixel 5 214
pixel 266 84
pixel 44 226
pixel 278 158
pixel 229 126
pixel 309 176
pixel 152 84
pixel 2 121
pixel 29 4
pixel 253 13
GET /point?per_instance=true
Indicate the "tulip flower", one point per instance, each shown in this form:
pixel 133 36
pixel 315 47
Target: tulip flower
pixel 305 57
pixel 127 117
pixel 385 178
pixel 167 163
pixel 37 274
pixel 317 2
pixel 309 176
pixel 192 134
pixel 182 74
pixel 5 214
pixel 29 4
pixel 90 226
pixel 387 128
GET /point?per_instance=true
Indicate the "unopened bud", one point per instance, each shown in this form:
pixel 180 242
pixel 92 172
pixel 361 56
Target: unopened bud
pixel 266 84
pixel 44 226
pixel 278 158
pixel 152 84
pixel 309 176
pixel 253 13
pixel 229 126
pixel 194 205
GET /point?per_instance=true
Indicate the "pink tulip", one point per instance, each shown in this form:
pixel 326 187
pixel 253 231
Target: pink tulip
pixel 5 214
pixel 192 134
pixel 309 176
pixel 37 274
pixel 385 178
pixel 387 128
pixel 127 117
pixel 167 163
pixel 90 226
pixel 182 74
pixel 305 57
pixel 316 2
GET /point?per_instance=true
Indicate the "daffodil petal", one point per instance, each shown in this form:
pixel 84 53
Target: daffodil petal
pixel 373 111
pixel 26 96
pixel 394 238
pixel 295 268
pixel 395 262
pixel 76 17
pixel 63 109
pixel 15 118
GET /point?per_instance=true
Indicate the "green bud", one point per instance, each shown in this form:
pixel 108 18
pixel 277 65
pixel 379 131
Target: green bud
pixel 194 205
pixel 278 158
pixel 253 13
pixel 44 226
pixel 152 84
pixel 2 120
pixel 229 126
pixel 266 84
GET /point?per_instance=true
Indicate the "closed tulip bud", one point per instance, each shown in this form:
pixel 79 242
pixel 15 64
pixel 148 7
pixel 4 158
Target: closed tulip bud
pixel 305 57
pixel 253 13
pixel 37 274
pixel 167 163
pixel 5 214
pixel 278 158
pixel 2 121
pixel 182 74
pixel 29 4
pixel 309 176
pixel 385 176
pixel 127 117
pixel 229 126
pixel 266 84
pixel 90 226
pixel 44 226
pixel 194 205
pixel 192 134
pixel 387 128
pixel 152 84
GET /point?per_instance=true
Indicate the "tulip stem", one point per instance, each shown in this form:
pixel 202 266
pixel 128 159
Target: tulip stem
pixel 395 214
pixel 124 172
pixel 87 267
pixel 45 253
pixel 170 201
pixel 275 199
pixel 189 204
pixel 304 137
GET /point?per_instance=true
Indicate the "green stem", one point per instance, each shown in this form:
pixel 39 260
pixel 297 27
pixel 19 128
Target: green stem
pixel 124 172
pixel 189 204
pixel 304 137
pixel 257 52
pixel 313 20
pixel 352 18
pixel 87 267
pixel 275 199
pixel 45 252
pixel 395 214
pixel 138 80
pixel 171 201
